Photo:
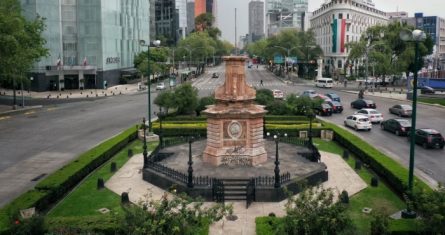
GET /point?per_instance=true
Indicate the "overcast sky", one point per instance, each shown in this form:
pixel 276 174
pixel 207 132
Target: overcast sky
pixel 226 12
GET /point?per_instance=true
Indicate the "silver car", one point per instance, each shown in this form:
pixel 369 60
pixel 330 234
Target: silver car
pixel 401 110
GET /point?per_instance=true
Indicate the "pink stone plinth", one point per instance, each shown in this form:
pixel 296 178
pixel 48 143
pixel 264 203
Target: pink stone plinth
pixel 235 122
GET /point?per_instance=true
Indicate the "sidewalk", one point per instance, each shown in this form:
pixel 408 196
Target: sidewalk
pixel 129 179
pixel 115 90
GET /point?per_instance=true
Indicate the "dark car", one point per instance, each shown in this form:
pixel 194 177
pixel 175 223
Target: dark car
pixel 215 75
pixel 336 106
pixel 401 110
pixel 333 97
pixel 323 109
pixel 429 138
pixel 361 103
pixel 427 90
pixel 397 126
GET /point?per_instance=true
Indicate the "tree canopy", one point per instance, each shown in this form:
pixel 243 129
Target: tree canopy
pixel 300 44
pixel 386 50
pixel 21 41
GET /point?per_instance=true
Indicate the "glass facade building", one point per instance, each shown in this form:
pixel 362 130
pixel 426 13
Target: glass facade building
pixel 91 42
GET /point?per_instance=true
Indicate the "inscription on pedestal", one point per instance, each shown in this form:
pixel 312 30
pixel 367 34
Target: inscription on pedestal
pixel 236 160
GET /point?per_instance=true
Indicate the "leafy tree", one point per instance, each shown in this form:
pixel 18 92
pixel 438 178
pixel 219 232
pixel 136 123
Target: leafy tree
pixel 21 43
pixel 186 98
pixel 264 97
pixel 166 100
pixel 313 211
pixel 203 102
pixel 177 215
pixel 431 207
pixel 389 53
pixel 156 60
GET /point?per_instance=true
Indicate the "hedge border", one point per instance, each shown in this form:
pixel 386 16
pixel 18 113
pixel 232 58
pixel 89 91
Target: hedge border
pixel 387 168
pixel 57 184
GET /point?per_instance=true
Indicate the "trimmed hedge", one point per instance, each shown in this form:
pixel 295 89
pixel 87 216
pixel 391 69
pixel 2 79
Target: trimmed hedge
pixel 56 185
pixel 61 181
pixel 269 225
pixel 394 173
pixel 270 118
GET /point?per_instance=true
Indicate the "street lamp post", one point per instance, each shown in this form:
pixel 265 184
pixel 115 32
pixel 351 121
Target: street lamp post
pixel 415 36
pixel 144 153
pixel 156 43
pixel 161 132
pixel 310 116
pixel 277 183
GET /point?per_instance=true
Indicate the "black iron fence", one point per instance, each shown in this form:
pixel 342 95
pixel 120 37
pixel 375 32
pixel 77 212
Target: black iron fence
pixel 269 181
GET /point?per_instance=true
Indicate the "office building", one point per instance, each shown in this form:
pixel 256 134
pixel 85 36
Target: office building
pixel 92 44
pixel 167 21
pixel 204 6
pixel 284 14
pixel 256 20
pixel 339 22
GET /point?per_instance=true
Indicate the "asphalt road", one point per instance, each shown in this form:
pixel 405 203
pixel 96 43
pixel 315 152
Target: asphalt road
pixel 40 142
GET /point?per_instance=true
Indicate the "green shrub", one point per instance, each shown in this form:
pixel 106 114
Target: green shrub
pixel 61 181
pixel 269 225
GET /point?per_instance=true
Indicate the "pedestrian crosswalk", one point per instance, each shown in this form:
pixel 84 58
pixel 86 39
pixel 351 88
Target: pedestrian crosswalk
pixel 213 86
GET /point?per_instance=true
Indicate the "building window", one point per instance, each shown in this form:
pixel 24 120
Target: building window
pixel 347 16
pixel 339 64
pixel 340 15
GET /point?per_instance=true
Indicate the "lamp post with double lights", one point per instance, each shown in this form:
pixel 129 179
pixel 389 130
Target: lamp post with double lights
pixel 142 43
pixel 415 36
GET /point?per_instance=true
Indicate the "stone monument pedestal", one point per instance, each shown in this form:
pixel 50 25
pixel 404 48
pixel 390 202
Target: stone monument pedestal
pixel 235 122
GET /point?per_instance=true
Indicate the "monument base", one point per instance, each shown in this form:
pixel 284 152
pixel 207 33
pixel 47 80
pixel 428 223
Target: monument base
pixel 233 156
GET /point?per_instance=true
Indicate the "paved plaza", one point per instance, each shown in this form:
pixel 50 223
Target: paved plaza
pixel 129 179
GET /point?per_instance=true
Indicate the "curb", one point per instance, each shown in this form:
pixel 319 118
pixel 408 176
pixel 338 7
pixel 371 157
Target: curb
pixel 20 111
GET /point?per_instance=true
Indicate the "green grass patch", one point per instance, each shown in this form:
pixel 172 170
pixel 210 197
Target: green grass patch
pixel 85 199
pixel 268 225
pixel 380 198
pixel 439 101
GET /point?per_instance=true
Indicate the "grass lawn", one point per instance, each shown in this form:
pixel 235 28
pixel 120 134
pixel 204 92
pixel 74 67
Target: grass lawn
pixel 85 199
pixel 379 198
pixel 432 100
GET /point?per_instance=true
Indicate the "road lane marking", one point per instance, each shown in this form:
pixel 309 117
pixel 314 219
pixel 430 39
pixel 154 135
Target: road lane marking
pixel 30 112
pixel 5 117
pixel 50 109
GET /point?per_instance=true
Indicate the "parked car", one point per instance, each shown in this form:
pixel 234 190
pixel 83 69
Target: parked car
pixel 373 115
pixel 323 109
pixel 277 94
pixel 397 126
pixel 401 110
pixel 160 86
pixel 336 106
pixel 362 103
pixel 215 75
pixel 429 138
pixel 358 122
pixel 322 97
pixel 427 90
pixel 310 93
pixel 333 97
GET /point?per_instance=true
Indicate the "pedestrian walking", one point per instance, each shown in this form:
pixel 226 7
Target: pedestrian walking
pixel 261 82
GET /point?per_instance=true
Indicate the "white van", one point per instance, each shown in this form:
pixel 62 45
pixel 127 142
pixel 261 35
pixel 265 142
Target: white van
pixel 324 82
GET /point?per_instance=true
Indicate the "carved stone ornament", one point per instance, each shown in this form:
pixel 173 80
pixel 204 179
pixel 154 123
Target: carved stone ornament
pixel 235 130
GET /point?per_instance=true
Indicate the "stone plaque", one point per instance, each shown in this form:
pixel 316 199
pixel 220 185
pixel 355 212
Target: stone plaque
pixel 234 130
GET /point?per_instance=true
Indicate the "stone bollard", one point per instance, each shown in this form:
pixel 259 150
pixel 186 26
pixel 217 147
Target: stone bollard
pixel 113 167
pixel 100 183
pixel 358 165
pixel 345 154
pixel 124 198
pixel 374 181
pixel 344 197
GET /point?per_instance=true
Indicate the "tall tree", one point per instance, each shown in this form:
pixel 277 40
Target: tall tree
pixel 21 43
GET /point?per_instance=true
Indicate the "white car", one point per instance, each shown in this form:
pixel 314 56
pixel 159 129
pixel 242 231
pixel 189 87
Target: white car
pixel 277 94
pixel 160 86
pixel 373 115
pixel 358 122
